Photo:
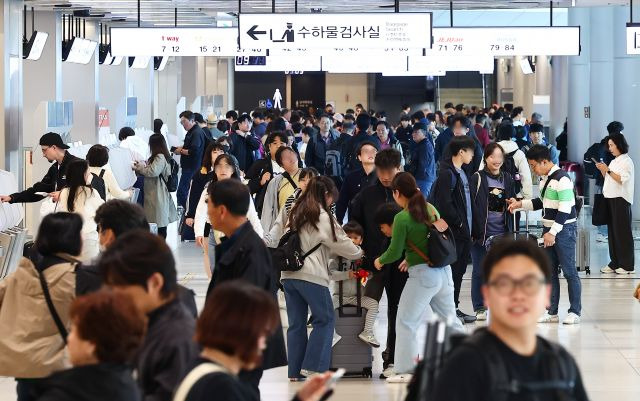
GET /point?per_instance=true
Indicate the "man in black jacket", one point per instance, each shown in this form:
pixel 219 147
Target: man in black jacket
pixel 142 265
pixel 363 209
pixel 55 151
pixel 244 256
pixel 451 195
pixel 243 143
pixel 190 154
pixel 315 155
pixel 361 178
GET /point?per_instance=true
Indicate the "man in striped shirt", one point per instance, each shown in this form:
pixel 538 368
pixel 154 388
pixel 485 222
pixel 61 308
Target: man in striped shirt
pixel 557 200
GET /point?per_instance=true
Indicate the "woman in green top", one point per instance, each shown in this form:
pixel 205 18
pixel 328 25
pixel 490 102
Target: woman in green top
pixel 428 288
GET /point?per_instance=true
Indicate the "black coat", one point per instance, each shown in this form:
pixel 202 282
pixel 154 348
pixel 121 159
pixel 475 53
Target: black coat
pixel 254 175
pixel 242 148
pixel 168 351
pixel 195 142
pixel 249 259
pixel 449 199
pixel 479 204
pixel 315 154
pixel 54 180
pixel 198 182
pixel 100 382
pixel 353 184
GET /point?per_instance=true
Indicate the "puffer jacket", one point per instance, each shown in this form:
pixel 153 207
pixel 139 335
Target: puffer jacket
pixel 30 344
pixel 316 265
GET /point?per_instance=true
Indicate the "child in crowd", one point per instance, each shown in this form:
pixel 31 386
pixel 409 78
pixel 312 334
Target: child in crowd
pixel 349 279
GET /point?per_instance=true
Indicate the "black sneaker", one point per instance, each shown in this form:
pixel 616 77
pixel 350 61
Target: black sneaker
pixel 464 317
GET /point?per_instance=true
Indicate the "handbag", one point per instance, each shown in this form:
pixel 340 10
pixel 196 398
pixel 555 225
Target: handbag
pixel 600 214
pixel 441 245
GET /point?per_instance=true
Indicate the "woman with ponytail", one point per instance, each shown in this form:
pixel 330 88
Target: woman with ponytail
pixel 429 288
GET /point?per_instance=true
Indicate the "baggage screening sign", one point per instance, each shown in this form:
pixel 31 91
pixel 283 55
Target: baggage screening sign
pixel 322 31
pixel 633 38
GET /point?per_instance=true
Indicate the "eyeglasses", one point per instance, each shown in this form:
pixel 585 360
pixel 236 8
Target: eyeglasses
pixel 44 150
pixel 505 285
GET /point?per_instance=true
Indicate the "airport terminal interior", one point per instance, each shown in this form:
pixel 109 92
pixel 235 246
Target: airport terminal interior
pixel 388 118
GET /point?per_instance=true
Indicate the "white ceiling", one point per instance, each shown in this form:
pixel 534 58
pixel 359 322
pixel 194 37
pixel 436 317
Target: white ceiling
pixel 204 12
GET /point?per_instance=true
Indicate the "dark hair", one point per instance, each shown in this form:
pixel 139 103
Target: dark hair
pixel 308 172
pixel 431 117
pixel 76 181
pixel 258 115
pixel 306 210
pixel 349 116
pixel 232 114
pixel 448 105
pixel 157 125
pixel 405 117
pixel 615 126
pixel 516 111
pixel 405 106
pixel 353 227
pixel 388 159
pixel 366 143
pixel 359 105
pixel 406 185
pixel 481 118
pixel 489 149
pixel 232 194
pixel 506 131
pixel 60 232
pixel 197 117
pixel 308 131
pixel 536 127
pixel 621 143
pixel 508 107
pixel 439 114
pixel 418 115
pixel 158 146
pixel 297 127
pixel 223 126
pixel 125 132
pixel 459 107
pixel 188 114
pixel 207 162
pixel 386 124
pixel 120 216
pixel 497 115
pixel 386 212
pixel 134 257
pixel 229 159
pixel 459 118
pixel 98 156
pixel 243 118
pixel 279 124
pixel 508 247
pixel 111 322
pixel 349 112
pixel 363 121
pixel 459 143
pixel 539 153
pixel 272 137
pixel 281 150
pixel 255 314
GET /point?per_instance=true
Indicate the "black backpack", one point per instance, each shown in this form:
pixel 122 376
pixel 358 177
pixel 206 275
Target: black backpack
pixel 509 166
pixel 172 181
pixel 560 369
pixel 97 183
pixel 288 256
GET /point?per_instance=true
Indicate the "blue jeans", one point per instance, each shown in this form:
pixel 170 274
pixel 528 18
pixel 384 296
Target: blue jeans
pixel 425 187
pixel 313 353
pixel 427 290
pixel 183 186
pixel 478 252
pixel 604 230
pixel 563 255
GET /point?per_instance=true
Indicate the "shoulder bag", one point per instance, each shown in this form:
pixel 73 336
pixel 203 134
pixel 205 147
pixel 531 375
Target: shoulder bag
pixel 441 246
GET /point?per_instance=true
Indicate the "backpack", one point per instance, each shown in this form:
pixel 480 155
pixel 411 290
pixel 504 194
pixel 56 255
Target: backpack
pixel 172 181
pixel 97 183
pixel 288 255
pixel 509 166
pixel 333 163
pixel 560 369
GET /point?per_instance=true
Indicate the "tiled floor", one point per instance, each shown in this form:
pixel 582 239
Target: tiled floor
pixel 606 344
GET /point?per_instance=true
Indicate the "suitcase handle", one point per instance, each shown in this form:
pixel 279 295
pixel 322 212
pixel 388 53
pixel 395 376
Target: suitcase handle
pixel 341 312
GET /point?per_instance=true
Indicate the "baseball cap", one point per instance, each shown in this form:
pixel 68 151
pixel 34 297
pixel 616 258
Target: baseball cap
pixel 52 139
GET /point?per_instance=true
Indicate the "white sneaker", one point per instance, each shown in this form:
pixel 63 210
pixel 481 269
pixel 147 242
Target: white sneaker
pixel 571 318
pixel 336 337
pixel 481 315
pixel 388 372
pixel 307 373
pixel 547 318
pixel 602 238
pixel 620 270
pixel 405 378
pixel 607 270
pixel 369 338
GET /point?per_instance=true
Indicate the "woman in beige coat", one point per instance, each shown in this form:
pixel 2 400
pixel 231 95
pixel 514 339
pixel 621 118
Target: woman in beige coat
pixel 31 343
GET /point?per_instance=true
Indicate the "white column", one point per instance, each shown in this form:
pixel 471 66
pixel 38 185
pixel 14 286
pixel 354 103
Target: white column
pixel 578 125
pixel 601 40
pixel 559 94
pixel 140 84
pixel 113 93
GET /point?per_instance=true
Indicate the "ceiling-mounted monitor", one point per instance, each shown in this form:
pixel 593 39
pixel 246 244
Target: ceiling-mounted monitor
pixel 32 49
pixel 527 66
pixel 78 50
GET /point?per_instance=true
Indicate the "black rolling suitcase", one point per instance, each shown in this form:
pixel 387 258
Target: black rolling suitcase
pixel 516 234
pixel 351 353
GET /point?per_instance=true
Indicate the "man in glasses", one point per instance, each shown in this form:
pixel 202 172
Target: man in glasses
pixel 55 151
pixel 507 361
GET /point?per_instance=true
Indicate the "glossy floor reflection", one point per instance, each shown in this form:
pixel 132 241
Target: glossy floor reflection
pixel 606 344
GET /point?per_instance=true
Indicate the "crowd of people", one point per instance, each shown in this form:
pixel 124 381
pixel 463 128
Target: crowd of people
pixel 340 193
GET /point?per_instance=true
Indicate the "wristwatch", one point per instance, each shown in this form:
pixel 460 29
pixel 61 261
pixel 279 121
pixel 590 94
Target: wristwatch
pixel 608 171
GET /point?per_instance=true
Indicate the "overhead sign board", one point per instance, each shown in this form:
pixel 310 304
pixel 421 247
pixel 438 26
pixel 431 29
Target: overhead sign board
pixel 507 41
pixel 278 63
pixel 633 38
pixel 221 42
pixel 321 31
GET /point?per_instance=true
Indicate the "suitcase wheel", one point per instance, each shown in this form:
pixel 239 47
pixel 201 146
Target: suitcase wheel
pixel 587 270
pixel 367 373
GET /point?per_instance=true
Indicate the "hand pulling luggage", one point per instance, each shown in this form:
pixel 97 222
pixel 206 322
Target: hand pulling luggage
pixel 350 352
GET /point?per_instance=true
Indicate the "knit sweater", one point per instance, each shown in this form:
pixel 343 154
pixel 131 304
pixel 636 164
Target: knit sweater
pixel 406 229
